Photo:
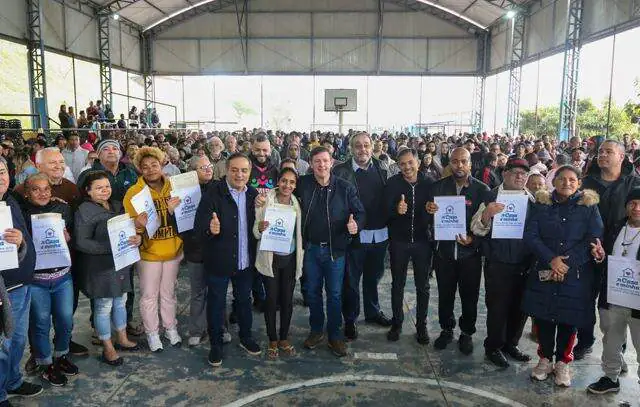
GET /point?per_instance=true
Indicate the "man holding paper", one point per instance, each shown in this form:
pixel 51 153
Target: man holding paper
pixel 458 260
pixel 17 261
pixel 619 301
pixel 508 263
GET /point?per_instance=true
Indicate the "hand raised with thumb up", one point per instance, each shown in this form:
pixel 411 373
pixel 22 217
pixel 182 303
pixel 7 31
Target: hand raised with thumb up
pixel 402 206
pixel 214 226
pixel 352 226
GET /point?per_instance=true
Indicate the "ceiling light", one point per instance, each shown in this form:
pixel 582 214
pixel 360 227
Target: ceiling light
pixel 511 13
pixel 116 16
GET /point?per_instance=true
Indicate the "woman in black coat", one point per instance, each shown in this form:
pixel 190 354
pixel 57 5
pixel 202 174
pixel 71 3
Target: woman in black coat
pixel 106 286
pixel 559 292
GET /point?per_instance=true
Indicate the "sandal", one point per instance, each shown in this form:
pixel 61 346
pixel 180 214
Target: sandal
pixel 287 348
pixel 133 348
pixel 135 330
pixel 272 350
pixel 114 363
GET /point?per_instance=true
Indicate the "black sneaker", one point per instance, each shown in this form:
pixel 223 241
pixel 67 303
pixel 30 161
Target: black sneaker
pixel 422 336
pixel 251 347
pixel 604 385
pixel 66 366
pixel 215 356
pixel 465 344
pixel 351 331
pixel 53 375
pixel 497 358
pixel 5 403
pixel 394 333
pixel 445 338
pixel 78 350
pixel 26 390
pixel 515 353
pixel 379 319
pixel 579 352
pixel 31 367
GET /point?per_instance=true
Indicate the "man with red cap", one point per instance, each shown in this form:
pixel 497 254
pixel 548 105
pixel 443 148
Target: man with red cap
pixel 505 272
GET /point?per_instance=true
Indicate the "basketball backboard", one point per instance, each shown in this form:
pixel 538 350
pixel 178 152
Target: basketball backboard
pixel 340 100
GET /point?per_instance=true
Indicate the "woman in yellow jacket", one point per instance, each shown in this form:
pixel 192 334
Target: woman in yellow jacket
pixel 161 253
pixel 281 270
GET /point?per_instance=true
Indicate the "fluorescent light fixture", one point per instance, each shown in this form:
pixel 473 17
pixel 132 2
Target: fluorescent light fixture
pixel 452 12
pixel 511 13
pixel 177 13
pixel 116 16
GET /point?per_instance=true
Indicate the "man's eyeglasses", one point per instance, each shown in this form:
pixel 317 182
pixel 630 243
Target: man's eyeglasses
pixel 206 167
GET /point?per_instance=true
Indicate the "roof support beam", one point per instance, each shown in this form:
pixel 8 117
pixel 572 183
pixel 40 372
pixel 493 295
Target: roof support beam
pixel 242 11
pixel 379 37
pixel 35 49
pixel 515 74
pixel 417 5
pixel 106 89
pixel 572 46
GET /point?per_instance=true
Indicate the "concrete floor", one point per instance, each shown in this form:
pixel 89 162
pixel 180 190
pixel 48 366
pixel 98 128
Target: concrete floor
pixel 407 375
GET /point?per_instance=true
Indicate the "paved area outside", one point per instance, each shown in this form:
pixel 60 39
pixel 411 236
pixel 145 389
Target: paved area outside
pixel 376 372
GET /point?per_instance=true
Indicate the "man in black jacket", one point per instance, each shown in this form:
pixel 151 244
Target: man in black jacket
pixel 405 198
pixel 612 176
pixel 458 263
pixel 506 271
pixel 224 221
pixel 331 215
pixel 17 283
pixel 365 256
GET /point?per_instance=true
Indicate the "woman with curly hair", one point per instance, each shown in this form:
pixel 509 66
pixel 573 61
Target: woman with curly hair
pixel 161 253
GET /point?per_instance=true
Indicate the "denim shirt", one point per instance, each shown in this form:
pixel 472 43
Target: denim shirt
pixel 240 198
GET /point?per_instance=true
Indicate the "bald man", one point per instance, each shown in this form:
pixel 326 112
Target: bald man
pixel 50 161
pixel 458 263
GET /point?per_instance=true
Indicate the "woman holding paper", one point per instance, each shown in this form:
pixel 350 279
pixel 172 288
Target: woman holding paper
pixel 150 202
pixel 559 292
pixel 52 287
pixel 106 286
pixel 281 269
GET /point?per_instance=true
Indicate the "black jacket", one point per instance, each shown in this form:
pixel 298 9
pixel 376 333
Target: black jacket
pixel 609 240
pixel 473 194
pixel 22 275
pixel 220 253
pixel 342 201
pixel 488 176
pixel 612 197
pixel 345 171
pixel 414 225
pixel 192 243
pixel 510 251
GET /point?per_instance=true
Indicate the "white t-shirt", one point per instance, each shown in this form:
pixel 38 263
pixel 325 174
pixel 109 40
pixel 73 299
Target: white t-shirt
pixel 632 245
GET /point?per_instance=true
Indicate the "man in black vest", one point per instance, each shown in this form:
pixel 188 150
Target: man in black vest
pixel 458 263
pixel 365 256
pixel 506 271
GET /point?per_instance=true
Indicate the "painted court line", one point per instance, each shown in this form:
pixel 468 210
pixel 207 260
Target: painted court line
pixel 375 356
pixel 372 378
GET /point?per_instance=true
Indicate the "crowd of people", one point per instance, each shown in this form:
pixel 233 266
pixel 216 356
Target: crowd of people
pixel 355 197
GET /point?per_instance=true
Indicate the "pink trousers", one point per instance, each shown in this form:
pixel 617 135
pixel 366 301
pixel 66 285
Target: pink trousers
pixel 158 279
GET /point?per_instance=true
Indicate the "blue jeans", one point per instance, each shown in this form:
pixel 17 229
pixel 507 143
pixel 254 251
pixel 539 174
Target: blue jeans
pixel 321 269
pixel 366 261
pixel 51 300
pixel 217 303
pixel 13 348
pixel 107 310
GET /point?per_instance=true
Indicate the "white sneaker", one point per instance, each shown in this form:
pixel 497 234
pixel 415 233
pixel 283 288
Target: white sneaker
pixel 563 374
pixel 542 370
pixel 154 342
pixel 194 341
pixel 226 337
pixel 173 337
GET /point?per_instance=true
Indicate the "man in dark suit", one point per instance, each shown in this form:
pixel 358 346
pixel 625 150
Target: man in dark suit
pixel 224 221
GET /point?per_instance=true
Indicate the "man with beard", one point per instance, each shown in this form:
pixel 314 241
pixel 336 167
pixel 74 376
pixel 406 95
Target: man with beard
pixel 264 176
pixel 458 263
